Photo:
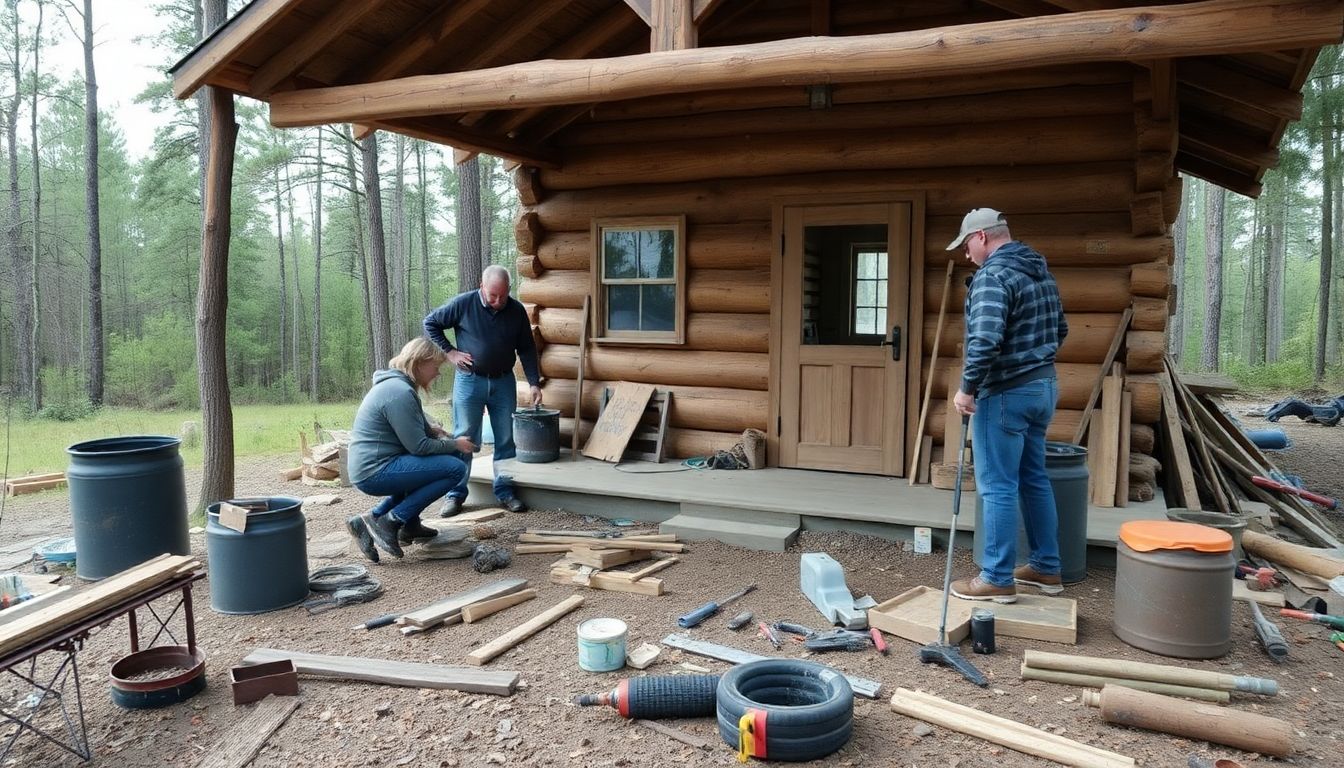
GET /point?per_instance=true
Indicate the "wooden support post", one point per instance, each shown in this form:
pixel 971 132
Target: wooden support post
pixel 1122 458
pixel 933 365
pixel 578 388
pixel 1180 456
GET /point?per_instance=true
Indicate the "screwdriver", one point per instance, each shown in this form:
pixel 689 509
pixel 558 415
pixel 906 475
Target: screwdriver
pixel 709 609
pixel 1334 622
pixel 381 621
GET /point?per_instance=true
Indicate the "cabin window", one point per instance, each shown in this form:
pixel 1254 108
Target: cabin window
pixel 640 280
pixel 868 265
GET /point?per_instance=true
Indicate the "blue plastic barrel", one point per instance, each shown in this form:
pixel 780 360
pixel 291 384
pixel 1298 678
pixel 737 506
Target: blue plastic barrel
pixel 265 566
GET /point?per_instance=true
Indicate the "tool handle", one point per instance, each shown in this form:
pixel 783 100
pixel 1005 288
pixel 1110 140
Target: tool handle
pixel 879 642
pixel 698 615
pixel 740 620
pixel 381 621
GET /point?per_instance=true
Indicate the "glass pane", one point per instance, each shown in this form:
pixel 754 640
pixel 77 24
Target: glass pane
pixel 867 266
pixel 623 307
pixel 882 293
pixel 619 251
pixel 657 253
pixel 660 308
pixel 881 321
pixel 866 293
pixel 881 257
pixel 865 321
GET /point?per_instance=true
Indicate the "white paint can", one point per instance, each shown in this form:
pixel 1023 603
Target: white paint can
pixel 602 645
pixel 923 540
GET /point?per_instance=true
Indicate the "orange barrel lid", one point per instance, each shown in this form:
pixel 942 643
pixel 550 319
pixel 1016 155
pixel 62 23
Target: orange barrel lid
pixel 1150 535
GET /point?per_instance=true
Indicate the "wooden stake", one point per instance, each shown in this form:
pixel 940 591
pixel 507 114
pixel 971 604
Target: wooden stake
pixel 933 364
pixel 578 388
pixel 518 634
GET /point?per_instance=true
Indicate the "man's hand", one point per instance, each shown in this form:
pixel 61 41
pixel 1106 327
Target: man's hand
pixel 536 396
pixel 465 445
pixel 461 360
pixel 964 403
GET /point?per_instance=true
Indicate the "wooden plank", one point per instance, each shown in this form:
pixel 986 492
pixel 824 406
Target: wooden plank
pixel 433 614
pixel 1241 592
pixel 412 674
pixel 518 634
pixel 1122 456
pixel 605 558
pixel 33 604
pixel 647 570
pixel 655 546
pixel 468 518
pixel 578 389
pixel 1108 441
pixel 478 611
pixel 1106 362
pixel 608 582
pixel 15 488
pixel 245 739
pixel 862 686
pixel 618 421
pixel 34 478
pixel 542 549
pixel 1171 419
pixel 915 613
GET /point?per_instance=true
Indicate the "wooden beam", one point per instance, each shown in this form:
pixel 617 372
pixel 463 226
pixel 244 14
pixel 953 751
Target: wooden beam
pixel 241 744
pixel 401 55
pixel 297 55
pixel 1244 89
pixel 507 39
pixel 460 137
pixel 1212 172
pixel 673 27
pixel 1209 141
pixel 219 48
pixel 1025 8
pixel 643 8
pixel 1203 28
pixel 821 18
pixel 703 8
pixel 413 674
pixel 1163 89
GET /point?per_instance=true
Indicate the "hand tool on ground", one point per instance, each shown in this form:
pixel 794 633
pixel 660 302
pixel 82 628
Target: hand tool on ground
pixel 769 634
pixel 709 609
pixel 381 621
pixel 740 620
pixel 940 651
pixel 1265 578
pixel 658 696
pixel 838 640
pixel 1270 636
pixel 879 642
pixel 793 629
pixel 1338 639
pixel 1314 498
pixel 1334 622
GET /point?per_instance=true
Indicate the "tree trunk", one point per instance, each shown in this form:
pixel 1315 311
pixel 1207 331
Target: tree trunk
pixel 203 96
pixel 95 255
pixel 400 243
pixel 284 284
pixel 382 329
pixel 315 361
pixel 1327 246
pixel 1214 203
pixel 469 262
pixel 1176 339
pixel 424 228
pixel 1274 274
pixel 36 341
pixel 22 268
pixel 298 316
pixel 370 360
pixel 487 213
pixel 1252 288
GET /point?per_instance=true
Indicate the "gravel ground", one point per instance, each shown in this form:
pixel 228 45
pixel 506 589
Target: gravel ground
pixel 352 724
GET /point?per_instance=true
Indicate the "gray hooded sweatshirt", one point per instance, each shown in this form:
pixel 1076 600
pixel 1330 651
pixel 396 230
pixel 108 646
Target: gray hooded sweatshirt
pixel 390 423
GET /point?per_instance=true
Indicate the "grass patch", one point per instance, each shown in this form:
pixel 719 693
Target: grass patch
pixel 38 445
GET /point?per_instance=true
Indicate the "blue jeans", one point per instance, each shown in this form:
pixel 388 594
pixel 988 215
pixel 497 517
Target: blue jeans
pixel 1009 429
pixel 412 483
pixel 472 395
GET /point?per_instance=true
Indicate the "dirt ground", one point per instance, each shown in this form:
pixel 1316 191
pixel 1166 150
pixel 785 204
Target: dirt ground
pixel 339 724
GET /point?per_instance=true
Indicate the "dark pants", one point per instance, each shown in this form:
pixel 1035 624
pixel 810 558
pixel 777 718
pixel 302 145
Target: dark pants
pixel 412 483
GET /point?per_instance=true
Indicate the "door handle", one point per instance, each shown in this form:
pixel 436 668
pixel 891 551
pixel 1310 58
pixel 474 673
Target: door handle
pixel 894 342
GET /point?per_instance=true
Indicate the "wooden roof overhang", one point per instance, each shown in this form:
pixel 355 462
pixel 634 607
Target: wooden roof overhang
pixel 507 77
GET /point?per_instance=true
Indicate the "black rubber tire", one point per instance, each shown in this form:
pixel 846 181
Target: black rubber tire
pixel 809 707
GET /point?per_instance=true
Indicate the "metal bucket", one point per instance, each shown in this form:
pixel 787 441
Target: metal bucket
pixel 1066 465
pixel 263 568
pixel 1174 602
pixel 128 502
pixel 536 435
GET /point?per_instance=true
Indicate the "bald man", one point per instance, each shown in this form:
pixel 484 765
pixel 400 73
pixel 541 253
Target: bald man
pixel 491 332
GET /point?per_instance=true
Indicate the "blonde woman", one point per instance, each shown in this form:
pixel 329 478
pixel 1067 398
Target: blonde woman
pixel 395 452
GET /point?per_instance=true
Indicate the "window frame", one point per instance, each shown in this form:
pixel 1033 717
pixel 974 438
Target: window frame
pixel 855 250
pixel 601 334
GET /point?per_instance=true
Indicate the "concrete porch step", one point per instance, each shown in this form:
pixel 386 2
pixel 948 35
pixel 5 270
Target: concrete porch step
pixel 750 529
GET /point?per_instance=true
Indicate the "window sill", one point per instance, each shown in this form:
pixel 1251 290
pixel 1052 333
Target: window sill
pixel 626 341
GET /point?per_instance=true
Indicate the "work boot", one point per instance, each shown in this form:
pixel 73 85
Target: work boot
pixel 451 506
pixel 360 533
pixel 384 530
pixel 414 531
pixel 1049 584
pixel 515 505
pixel 976 588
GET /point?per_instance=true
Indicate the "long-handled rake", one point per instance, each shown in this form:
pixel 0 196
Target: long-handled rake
pixel 940 651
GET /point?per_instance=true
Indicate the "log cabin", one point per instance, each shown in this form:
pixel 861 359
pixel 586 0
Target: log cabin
pixel 755 195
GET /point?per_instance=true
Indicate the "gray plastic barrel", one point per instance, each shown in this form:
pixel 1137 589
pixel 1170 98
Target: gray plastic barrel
pixel 128 502
pixel 536 435
pixel 263 568
pixel 1174 601
pixel 1066 465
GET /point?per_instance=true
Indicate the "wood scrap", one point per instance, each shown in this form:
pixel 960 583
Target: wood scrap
pixel 477 611
pixel 605 558
pixel 567 574
pixel 1318 562
pixel 245 739
pixel 412 674
pixel 518 634
pixel 18 486
pixel 917 453
pixel 452 606
pixel 1106 362
pixel 653 546
pixel 647 570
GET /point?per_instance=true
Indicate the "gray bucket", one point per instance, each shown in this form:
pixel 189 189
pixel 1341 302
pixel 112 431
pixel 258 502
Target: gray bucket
pixel 263 568
pixel 128 502
pixel 1066 465
pixel 1174 602
pixel 1233 525
pixel 536 435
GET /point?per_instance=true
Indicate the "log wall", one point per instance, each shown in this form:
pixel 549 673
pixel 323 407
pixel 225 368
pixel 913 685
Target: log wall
pixel 1077 160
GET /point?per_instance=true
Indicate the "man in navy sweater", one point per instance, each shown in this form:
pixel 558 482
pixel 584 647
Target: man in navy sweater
pixel 491 328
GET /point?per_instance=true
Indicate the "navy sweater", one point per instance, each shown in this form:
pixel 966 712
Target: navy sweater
pixel 491 338
pixel 1014 321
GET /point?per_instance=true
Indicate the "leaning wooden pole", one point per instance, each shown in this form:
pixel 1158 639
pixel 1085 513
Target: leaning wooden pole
pixel 578 384
pixel 933 365
pixel 212 303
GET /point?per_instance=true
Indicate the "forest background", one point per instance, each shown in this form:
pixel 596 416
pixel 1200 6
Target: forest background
pixel 101 216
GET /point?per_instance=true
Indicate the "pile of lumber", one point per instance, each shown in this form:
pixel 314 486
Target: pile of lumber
pixel 63 613
pixel 474 603
pixel 17 486
pixel 321 464
pixel 588 558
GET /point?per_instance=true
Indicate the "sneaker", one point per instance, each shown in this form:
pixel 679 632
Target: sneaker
pixel 413 531
pixel 384 530
pixel 1049 584
pixel 515 505
pixel 976 588
pixel 360 533
pixel 451 506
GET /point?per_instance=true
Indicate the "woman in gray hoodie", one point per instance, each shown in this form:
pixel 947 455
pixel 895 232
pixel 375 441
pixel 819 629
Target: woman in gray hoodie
pixel 396 452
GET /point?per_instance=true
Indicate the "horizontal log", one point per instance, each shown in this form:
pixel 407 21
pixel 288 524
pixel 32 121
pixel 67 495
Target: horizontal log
pixel 1061 428
pixel 948 191
pixel 1090 334
pixel 1027 142
pixel 1026 226
pixel 556 288
pixel 1144 351
pixel 566 250
pixel 1147 407
pixel 528 266
pixel 713 332
pixel 525 181
pixel 712 408
pixel 707 290
pixel 527 232
pixel 708 246
pixel 1147 214
pixel 1152 279
pixel 1090 290
pixel 679 443
pixel 732 370
pixel 1150 314
pixel 1087 250
pixel 1075 381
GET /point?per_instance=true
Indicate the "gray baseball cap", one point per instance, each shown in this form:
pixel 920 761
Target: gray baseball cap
pixel 976 220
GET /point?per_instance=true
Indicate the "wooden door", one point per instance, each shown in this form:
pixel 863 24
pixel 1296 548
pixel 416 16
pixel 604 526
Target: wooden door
pixel 845 337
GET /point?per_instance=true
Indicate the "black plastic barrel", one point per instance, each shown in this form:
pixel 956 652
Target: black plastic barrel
pixel 1066 465
pixel 264 567
pixel 128 502
pixel 536 435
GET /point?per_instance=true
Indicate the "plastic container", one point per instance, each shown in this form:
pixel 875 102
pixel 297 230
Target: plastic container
pixel 602 645
pixel 128 502
pixel 1233 525
pixel 1173 588
pixel 923 540
pixel 536 435
pixel 263 568
pixel 1066 465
